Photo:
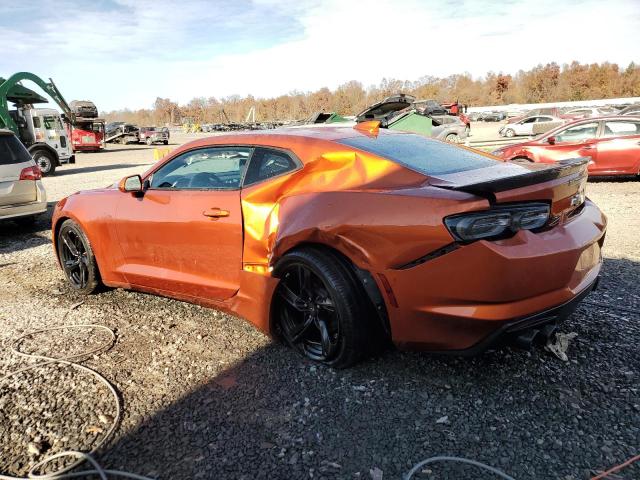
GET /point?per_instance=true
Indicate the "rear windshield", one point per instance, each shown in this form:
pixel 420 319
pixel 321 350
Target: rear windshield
pixel 421 154
pixel 12 151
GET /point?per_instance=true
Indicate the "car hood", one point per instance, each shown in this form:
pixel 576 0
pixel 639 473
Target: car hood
pixel 389 105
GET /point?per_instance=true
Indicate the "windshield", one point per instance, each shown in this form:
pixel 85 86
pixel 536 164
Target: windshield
pixel 426 156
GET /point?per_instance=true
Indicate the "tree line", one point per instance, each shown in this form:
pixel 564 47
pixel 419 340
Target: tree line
pixel 541 84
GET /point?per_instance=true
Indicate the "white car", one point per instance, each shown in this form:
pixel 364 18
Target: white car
pixel 530 126
pixel 22 194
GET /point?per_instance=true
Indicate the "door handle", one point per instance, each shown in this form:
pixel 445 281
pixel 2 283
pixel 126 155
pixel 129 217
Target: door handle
pixel 587 147
pixel 216 213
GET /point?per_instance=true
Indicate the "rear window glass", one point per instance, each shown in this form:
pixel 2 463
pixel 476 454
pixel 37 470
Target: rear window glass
pixel 12 151
pixel 421 154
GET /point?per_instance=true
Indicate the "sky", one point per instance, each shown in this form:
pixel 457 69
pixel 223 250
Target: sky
pixel 125 53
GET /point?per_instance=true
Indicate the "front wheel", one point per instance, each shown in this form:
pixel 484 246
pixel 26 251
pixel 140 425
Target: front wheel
pixel 319 309
pixel 509 133
pixel 45 162
pixel 149 141
pixel 77 258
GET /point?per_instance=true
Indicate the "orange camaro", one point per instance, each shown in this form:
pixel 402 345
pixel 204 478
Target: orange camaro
pixel 338 239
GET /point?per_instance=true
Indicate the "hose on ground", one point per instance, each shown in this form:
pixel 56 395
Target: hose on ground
pixel 72 361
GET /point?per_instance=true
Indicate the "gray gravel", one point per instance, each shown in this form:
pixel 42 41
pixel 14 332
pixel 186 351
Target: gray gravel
pixel 207 396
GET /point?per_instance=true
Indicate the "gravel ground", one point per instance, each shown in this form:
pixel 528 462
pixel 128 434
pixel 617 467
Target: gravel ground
pixel 204 395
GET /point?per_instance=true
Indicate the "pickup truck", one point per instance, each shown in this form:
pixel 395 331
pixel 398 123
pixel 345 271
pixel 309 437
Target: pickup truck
pixel 151 135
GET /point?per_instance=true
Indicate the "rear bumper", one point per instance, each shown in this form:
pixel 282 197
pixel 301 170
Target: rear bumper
pixel 26 209
pixel 464 299
pixel 508 333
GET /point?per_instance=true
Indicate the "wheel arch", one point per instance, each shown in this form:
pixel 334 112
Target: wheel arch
pixel 363 279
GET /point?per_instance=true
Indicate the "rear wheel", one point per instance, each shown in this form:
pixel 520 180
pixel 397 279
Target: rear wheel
pixel 452 138
pixel 45 162
pixel 166 142
pixel 149 141
pixel 77 259
pixel 319 309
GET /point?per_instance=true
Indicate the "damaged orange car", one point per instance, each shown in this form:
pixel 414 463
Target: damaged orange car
pixel 337 239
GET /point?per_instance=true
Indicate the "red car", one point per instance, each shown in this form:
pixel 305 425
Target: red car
pixel 611 143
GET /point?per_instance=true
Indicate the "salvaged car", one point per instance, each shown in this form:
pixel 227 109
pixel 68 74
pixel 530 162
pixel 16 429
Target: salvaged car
pixel 448 128
pixel 151 135
pixel 338 240
pixel 611 145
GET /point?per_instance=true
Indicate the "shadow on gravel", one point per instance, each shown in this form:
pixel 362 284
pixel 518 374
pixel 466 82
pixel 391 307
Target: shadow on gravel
pixel 72 171
pixel 276 416
pixel 16 236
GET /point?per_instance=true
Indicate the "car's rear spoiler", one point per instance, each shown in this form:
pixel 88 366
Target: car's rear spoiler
pixel 499 178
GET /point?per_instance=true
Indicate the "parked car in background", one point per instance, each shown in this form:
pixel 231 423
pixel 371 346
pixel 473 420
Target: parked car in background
pixel 430 107
pixel 340 240
pixel 22 194
pixel 166 130
pixel 122 132
pixel 382 109
pixel 492 116
pixel 448 128
pixel 151 135
pixel 612 145
pixel 590 111
pixel 526 126
pixel 548 111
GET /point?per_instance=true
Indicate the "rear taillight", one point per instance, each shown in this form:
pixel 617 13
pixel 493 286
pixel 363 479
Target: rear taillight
pixel 498 222
pixel 31 173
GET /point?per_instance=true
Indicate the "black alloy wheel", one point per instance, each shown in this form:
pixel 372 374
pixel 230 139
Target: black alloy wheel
pixel 76 258
pixel 320 310
pixel 310 322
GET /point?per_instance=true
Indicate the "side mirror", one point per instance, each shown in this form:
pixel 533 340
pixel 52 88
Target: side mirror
pixel 551 140
pixel 130 184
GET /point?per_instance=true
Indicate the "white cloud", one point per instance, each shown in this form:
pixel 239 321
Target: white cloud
pixel 135 51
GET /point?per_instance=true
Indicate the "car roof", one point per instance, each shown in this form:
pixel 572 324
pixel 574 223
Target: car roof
pixel 287 137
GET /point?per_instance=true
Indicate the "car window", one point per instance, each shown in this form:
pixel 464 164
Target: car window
pixel 214 168
pixel 421 154
pixel 529 120
pixel 583 131
pixel 544 119
pixel 12 151
pixel 621 129
pixel 267 163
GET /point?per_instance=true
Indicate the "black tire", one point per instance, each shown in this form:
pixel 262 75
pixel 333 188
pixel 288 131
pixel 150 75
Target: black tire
pixel 332 297
pixel 166 142
pixel 45 161
pixel 77 258
pixel 148 141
